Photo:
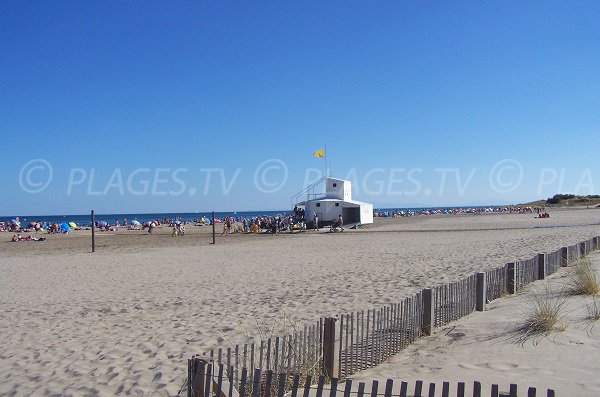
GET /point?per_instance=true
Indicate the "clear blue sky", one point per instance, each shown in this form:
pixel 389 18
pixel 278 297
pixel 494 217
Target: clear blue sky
pixel 388 86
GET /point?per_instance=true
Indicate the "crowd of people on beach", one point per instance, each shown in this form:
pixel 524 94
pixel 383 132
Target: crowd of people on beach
pixel 456 211
pixel 274 224
pixel 258 224
pixel 16 226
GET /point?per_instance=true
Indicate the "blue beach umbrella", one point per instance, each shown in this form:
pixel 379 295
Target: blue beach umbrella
pixel 65 227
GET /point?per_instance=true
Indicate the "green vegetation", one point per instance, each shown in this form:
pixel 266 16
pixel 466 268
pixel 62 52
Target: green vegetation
pixel 593 309
pixel 584 278
pixel 545 310
pixel 567 200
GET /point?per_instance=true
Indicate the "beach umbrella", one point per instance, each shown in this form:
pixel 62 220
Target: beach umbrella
pixel 102 224
pixel 135 222
pixel 32 224
pixel 73 225
pixel 64 227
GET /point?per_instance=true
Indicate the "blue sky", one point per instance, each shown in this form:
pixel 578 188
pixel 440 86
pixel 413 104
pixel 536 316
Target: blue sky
pixel 500 97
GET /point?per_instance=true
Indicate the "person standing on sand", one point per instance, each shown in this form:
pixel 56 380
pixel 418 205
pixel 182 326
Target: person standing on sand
pixel 316 222
pixel 226 226
pixel 341 222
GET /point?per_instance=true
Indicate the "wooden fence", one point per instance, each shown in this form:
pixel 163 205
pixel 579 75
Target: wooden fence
pixel 341 346
pixel 363 342
pixel 213 381
pixel 300 352
pixel 454 300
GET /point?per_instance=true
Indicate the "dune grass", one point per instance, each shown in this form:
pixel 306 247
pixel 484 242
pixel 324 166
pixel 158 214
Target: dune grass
pixel 593 309
pixel 583 279
pixel 544 312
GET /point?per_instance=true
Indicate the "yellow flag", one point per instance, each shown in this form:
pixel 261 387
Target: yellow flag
pixel 319 153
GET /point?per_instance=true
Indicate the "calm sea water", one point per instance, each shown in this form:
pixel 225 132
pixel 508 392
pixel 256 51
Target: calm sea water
pixel 110 218
pixel 184 216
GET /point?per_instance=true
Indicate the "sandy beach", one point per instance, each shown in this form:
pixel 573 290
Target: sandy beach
pixel 124 320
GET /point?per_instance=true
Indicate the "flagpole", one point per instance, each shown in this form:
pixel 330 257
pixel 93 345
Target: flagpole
pixel 326 160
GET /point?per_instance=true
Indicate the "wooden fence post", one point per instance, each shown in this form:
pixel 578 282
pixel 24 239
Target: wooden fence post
pixel 428 314
pixel 197 384
pixel 541 266
pixel 213 227
pixel 511 278
pixel 481 292
pixel 330 348
pixel 93 232
pixel 564 256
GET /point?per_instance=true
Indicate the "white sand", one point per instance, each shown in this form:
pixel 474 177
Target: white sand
pixel 124 320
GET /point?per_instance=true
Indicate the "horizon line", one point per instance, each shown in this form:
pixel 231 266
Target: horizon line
pixel 278 210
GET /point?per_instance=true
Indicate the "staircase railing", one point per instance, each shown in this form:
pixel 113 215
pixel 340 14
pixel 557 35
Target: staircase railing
pixel 309 191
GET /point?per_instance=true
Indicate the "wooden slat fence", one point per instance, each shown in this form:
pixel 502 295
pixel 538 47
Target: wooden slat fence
pixel 554 261
pixel 366 338
pixel 453 301
pixel 495 283
pixel 212 381
pixel 526 272
pixel 574 252
pixel 300 352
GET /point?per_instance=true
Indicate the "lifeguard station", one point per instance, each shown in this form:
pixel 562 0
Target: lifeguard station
pixel 331 197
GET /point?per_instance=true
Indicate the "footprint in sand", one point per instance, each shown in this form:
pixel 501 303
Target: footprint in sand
pixel 500 366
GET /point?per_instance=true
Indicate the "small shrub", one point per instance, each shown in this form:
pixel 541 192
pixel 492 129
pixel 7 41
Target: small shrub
pixel 584 278
pixel 544 313
pixel 593 309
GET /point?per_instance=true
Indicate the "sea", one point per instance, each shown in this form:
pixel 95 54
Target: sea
pixel 85 220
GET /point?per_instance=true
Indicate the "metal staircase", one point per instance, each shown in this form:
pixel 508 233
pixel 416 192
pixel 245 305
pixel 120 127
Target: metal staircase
pixel 309 191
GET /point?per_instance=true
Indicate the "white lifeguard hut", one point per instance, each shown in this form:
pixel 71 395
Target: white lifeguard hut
pixel 336 201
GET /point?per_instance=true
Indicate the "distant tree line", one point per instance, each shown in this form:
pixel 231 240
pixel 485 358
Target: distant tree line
pixel 558 197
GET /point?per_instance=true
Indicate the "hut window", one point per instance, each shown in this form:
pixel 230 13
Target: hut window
pixel 318 204
pixel 335 185
pixel 337 204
